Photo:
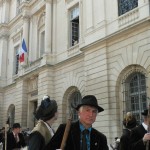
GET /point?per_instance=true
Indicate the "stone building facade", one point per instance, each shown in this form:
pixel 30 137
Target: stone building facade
pixel 75 48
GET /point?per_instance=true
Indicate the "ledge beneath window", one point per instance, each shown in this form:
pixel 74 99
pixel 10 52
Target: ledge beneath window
pixel 74 50
pixel 128 17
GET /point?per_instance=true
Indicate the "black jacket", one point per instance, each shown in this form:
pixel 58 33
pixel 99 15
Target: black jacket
pixel 136 138
pixel 98 140
pixel 125 140
pixel 11 142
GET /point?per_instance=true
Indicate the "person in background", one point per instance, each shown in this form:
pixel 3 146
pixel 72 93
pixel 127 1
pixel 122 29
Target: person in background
pixel 129 123
pixel 82 136
pixel 140 135
pixel 15 139
pixel 46 114
pixel 2 137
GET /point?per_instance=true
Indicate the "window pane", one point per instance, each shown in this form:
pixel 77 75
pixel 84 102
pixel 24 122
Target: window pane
pixel 136 99
pixel 16 65
pixel 75 32
pixel 126 5
pixel 74 26
pixel 76 99
pixel 74 13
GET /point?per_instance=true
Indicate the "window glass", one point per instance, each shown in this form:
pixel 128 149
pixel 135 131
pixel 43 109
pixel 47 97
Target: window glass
pixel 76 99
pixel 74 12
pixel 126 5
pixel 135 95
pixel 16 60
pixel 74 23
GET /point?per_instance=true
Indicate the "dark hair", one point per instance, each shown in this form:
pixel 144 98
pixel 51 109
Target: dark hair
pixel 47 109
pixel 16 125
pixel 129 121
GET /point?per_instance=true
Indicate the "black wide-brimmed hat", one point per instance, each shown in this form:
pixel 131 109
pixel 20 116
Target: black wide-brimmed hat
pixel 145 112
pixel 89 100
pixel 47 109
pixel 16 125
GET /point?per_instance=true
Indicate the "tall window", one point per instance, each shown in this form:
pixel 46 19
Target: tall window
pixel 41 36
pixel 42 43
pixel 76 99
pixel 135 95
pixel 11 115
pixel 16 60
pixel 74 24
pixel 126 5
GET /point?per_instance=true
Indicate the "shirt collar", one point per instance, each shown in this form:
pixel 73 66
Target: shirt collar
pixel 145 126
pixel 82 127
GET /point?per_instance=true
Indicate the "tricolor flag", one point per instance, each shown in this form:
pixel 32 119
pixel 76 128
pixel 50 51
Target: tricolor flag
pixel 23 52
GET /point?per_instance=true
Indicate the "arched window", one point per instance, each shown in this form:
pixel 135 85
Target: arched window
pixel 75 100
pixel 135 94
pixel 11 115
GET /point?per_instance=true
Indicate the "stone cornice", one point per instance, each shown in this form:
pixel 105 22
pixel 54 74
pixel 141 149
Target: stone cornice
pixel 2 1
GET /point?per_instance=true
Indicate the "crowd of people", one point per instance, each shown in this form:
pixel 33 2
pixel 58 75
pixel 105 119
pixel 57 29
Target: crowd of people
pixel 79 135
pixel 134 136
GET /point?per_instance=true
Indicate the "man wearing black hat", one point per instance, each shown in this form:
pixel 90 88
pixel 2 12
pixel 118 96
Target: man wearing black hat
pixel 46 114
pixel 139 135
pixel 81 135
pixel 15 139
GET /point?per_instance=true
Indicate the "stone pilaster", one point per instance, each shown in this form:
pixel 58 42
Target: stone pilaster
pixel 26 20
pixel 46 83
pixel 21 102
pixel 89 13
pixel 5 11
pixel 48 27
pixel 3 59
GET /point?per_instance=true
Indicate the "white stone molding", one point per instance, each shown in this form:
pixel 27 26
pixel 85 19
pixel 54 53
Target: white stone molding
pixel 3 30
pixel 128 17
pixel 133 69
pixel 49 1
pixel 33 84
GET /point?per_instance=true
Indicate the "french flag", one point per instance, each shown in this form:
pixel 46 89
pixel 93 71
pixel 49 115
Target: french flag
pixel 23 52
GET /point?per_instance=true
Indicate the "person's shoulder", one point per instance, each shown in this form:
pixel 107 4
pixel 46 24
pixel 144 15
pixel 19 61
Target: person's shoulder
pixel 35 135
pixel 20 134
pixel 98 133
pixel 139 127
pixel 73 124
pixel 9 133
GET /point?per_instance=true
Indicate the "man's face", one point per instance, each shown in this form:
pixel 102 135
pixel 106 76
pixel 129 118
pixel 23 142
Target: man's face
pixel 17 130
pixel 87 115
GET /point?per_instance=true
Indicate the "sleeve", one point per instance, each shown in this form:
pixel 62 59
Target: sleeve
pixel 9 141
pixel 36 141
pixel 124 141
pixel 1 138
pixel 22 140
pixel 105 143
pixel 136 142
pixel 55 141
